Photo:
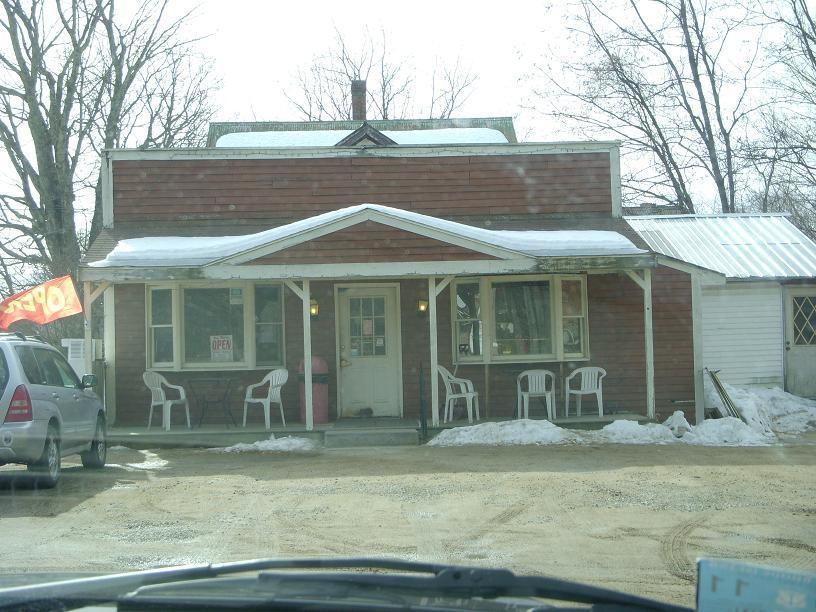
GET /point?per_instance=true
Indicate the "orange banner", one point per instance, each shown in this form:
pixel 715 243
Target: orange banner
pixel 44 303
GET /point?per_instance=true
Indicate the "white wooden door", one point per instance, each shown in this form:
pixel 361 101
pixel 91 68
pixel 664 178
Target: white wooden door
pixel 800 341
pixel 369 350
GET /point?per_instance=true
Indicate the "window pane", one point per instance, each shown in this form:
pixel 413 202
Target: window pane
pixel 571 297
pixel 213 326
pixel 573 335
pixel 162 344
pixel 469 338
pixel 523 321
pixel 30 366
pixel 268 307
pixel 467 301
pixel 269 344
pixel 161 305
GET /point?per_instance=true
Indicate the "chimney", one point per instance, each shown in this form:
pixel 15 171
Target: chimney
pixel 358 100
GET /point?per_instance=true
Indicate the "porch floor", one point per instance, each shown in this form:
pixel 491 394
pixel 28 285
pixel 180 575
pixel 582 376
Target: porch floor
pixel 383 430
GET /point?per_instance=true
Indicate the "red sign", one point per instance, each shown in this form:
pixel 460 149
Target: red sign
pixel 44 303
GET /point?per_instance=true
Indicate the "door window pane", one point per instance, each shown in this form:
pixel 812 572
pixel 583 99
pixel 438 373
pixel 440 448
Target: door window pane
pixel 56 371
pixel 804 320
pixel 523 320
pixel 213 325
pixel 268 325
pixel 367 326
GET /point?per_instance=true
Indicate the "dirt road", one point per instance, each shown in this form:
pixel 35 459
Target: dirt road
pixel 628 517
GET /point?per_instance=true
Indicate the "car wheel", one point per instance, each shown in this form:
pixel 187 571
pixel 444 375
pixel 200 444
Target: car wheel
pixel 96 456
pixel 48 467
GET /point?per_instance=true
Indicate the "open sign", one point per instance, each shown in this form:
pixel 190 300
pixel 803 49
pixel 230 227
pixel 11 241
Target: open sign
pixel 221 348
pixel 42 304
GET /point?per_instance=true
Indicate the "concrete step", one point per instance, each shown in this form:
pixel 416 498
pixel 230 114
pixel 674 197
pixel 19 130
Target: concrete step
pixel 346 438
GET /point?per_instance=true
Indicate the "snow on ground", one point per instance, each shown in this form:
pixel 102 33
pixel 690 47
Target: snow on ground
pixel 676 429
pixel 272 445
pixel 727 431
pixel 632 432
pixel 768 410
pixel 504 433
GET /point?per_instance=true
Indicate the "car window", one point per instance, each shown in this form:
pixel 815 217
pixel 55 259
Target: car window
pixel 31 368
pixel 56 370
pixel 4 373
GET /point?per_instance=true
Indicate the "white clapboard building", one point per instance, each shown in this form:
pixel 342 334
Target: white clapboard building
pixel 759 328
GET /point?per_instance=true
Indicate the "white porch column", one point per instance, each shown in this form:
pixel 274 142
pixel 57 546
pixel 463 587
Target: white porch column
pixel 434 356
pixel 697 338
pixel 87 302
pixel 307 355
pixel 649 333
pixel 645 283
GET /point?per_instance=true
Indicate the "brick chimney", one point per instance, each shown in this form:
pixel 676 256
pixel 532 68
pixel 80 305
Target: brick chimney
pixel 358 100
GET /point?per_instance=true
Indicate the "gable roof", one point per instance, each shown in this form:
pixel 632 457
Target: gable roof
pixel 741 246
pixel 507 244
pixel 482 130
pixel 363 133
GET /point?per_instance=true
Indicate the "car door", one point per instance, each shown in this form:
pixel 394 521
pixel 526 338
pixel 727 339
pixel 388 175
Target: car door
pixel 64 386
pixel 86 403
pixel 44 398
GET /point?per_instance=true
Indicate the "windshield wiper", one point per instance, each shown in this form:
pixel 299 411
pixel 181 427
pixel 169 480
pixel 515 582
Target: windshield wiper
pixel 443 580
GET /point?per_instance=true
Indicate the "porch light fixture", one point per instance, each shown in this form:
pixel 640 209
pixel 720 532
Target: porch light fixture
pixel 314 308
pixel 422 307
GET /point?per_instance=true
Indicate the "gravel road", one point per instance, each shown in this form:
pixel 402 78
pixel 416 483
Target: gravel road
pixel 628 517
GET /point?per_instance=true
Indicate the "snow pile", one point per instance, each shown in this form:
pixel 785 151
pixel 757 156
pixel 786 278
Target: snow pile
pixel 727 431
pixel 272 445
pixel 678 424
pixel 505 433
pixel 768 410
pixel 632 432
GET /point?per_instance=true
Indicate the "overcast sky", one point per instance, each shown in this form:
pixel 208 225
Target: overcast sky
pixel 259 45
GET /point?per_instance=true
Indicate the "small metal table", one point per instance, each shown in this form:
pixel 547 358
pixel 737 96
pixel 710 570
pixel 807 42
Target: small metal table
pixel 212 391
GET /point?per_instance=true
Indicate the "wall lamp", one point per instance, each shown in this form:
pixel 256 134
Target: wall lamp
pixel 422 307
pixel 314 308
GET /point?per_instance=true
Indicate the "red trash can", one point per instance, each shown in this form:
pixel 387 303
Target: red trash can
pixel 320 391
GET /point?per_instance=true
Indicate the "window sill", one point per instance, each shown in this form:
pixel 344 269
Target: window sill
pixel 215 368
pixel 522 359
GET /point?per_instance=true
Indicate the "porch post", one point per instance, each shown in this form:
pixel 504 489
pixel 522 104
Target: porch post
pixel 649 333
pixel 307 355
pixel 697 339
pixel 87 302
pixel 434 356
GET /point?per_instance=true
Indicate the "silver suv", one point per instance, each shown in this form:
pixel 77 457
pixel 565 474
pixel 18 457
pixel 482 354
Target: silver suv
pixel 46 411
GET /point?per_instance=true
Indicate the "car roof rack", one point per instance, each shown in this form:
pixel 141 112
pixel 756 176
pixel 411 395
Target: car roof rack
pixel 22 336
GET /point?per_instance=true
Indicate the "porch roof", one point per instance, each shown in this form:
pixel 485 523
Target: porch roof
pixel 187 252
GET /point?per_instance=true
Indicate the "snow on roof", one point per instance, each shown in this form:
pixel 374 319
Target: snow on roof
pixel 758 246
pixel 329 138
pixel 169 251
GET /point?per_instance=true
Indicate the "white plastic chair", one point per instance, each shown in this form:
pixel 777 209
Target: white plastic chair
pixel 275 379
pixel 536 387
pixel 157 383
pixel 463 390
pixel 590 384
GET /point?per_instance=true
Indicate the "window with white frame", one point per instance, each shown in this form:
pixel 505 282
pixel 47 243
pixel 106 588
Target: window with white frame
pixel 518 319
pixel 161 326
pixel 197 326
pixel 269 324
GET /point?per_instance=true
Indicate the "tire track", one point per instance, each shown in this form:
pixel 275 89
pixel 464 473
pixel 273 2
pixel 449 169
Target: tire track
pixel 674 548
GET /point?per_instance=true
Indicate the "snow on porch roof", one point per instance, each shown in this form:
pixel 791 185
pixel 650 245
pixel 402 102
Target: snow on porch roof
pixel 329 138
pixel 741 246
pixel 172 251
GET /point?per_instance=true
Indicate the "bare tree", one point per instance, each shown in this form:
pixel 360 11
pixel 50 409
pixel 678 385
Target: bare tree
pixel 322 88
pixel 785 156
pixel 657 77
pixel 75 78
